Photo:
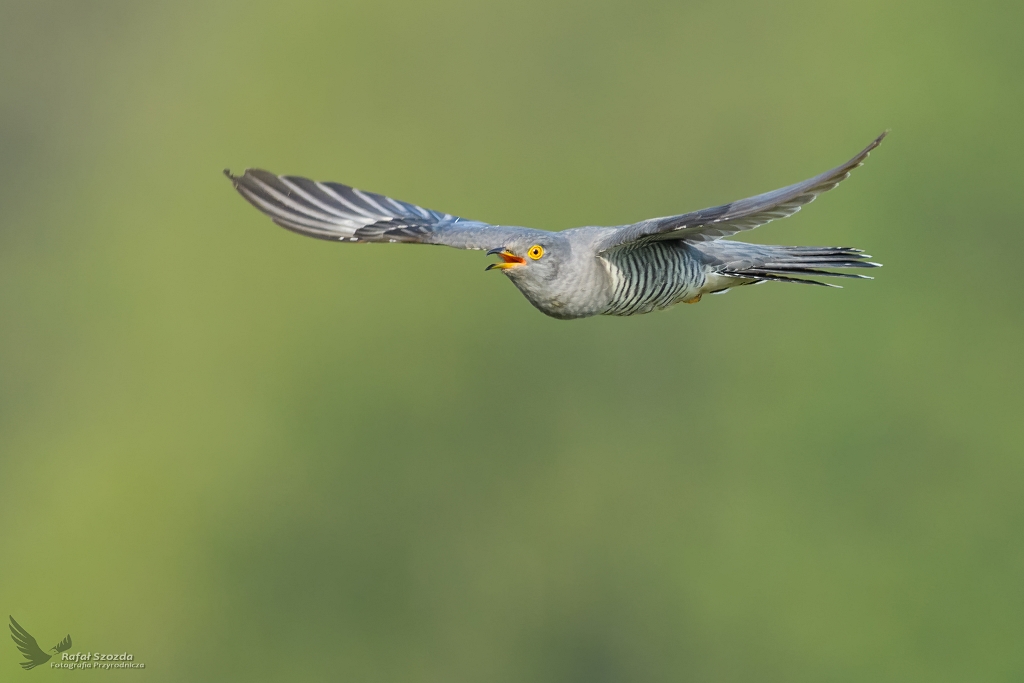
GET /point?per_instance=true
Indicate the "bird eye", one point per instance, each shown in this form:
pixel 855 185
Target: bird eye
pixel 535 252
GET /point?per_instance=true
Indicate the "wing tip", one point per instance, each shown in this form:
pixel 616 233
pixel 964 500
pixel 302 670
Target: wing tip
pixel 874 143
pixel 247 173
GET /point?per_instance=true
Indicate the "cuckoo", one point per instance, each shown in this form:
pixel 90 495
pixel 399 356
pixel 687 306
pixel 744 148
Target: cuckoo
pixel 580 272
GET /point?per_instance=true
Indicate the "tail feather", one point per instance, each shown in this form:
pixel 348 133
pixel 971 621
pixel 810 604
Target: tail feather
pixel 760 263
pixel 850 260
pixel 805 271
pixel 771 277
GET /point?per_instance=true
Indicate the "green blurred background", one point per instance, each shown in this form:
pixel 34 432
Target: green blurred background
pixel 243 455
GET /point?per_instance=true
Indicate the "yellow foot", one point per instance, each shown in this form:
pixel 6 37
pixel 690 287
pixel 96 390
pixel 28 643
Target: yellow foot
pixel 693 300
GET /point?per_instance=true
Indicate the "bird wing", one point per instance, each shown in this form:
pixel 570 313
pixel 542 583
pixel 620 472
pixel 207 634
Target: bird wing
pixel 745 214
pixel 64 644
pixel 28 646
pixel 332 211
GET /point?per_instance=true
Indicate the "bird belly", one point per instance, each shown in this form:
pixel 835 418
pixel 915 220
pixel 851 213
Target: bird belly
pixel 651 277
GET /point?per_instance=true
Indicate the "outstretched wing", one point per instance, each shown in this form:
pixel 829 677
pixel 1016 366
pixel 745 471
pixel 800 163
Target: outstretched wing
pixel 64 644
pixel 28 646
pixel 745 214
pixel 332 211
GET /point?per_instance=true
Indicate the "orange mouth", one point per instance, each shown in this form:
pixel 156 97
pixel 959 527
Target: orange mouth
pixel 509 260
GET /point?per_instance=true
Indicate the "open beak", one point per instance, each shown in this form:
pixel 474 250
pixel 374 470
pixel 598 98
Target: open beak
pixel 509 260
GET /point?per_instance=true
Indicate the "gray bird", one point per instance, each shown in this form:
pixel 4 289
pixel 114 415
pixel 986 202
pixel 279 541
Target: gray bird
pixel 623 270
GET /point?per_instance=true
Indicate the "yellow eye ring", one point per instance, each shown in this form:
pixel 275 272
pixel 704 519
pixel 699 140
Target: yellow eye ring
pixel 535 252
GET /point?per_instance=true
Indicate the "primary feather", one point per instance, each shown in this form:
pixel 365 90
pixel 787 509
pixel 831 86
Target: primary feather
pixel 744 214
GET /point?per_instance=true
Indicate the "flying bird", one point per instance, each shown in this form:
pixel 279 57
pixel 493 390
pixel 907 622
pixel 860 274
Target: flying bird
pixel 30 648
pixel 577 273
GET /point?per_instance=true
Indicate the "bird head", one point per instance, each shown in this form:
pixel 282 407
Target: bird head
pixel 531 258
pixel 555 273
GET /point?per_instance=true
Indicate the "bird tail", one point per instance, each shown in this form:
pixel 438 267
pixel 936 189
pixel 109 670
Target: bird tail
pixel 728 260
